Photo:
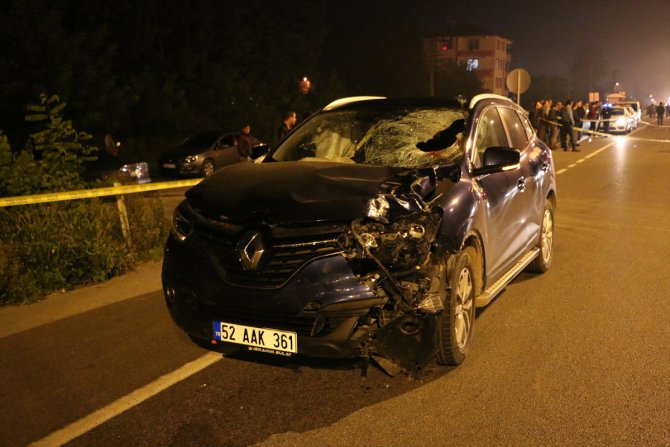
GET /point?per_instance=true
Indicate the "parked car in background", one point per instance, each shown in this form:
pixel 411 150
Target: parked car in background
pixel 203 153
pixel 373 230
pixel 622 120
pixel 118 163
pixel 635 105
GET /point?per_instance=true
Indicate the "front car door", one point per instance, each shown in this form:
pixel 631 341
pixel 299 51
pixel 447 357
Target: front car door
pixel 227 151
pixel 529 206
pixel 501 192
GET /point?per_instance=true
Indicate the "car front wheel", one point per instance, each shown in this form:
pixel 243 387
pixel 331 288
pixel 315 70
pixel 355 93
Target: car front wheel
pixel 546 243
pixel 455 326
pixel 207 168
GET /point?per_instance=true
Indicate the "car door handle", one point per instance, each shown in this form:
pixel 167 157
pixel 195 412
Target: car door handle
pixel 521 183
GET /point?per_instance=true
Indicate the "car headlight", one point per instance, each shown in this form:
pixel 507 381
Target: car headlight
pixel 182 228
pixel 620 122
pixel 136 170
pixel 190 158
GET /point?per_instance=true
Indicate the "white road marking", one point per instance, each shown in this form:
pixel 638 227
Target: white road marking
pixel 582 160
pixel 88 423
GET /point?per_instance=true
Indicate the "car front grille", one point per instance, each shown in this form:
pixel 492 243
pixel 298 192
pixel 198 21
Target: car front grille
pixel 283 258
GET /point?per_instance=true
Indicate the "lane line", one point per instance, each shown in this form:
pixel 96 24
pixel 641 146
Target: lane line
pixel 88 423
pixel 581 160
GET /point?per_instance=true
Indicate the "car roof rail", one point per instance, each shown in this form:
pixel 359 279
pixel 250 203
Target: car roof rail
pixel 344 101
pixel 478 98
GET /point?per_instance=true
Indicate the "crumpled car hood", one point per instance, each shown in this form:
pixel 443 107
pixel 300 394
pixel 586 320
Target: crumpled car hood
pixel 291 191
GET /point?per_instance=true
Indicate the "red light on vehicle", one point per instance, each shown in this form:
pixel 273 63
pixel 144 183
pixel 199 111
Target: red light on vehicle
pixel 214 342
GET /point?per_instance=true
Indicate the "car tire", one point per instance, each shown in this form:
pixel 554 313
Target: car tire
pixel 207 168
pixel 545 243
pixel 456 324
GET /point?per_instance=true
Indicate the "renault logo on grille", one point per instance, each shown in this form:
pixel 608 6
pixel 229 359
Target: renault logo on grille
pixel 250 250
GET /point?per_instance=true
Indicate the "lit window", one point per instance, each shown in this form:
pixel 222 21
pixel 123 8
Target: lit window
pixel 472 64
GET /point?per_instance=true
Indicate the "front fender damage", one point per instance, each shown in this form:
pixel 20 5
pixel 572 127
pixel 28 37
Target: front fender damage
pixel 400 256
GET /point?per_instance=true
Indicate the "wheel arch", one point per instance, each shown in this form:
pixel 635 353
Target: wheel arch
pixel 474 240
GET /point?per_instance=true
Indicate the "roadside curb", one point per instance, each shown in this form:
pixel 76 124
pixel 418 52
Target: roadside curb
pixel 146 279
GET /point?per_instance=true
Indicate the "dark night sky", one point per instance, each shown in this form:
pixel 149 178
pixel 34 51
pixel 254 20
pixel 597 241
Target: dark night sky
pixel 634 35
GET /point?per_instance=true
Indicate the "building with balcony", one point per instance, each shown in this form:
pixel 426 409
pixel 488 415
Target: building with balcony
pixel 487 56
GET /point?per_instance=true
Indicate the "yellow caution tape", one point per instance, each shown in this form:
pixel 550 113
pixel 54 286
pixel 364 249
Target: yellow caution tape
pixel 603 134
pixel 97 192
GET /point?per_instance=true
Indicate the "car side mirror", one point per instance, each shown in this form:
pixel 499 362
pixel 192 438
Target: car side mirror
pixel 498 159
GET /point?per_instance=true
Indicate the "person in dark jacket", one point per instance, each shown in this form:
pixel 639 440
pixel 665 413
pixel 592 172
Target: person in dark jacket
pixel 535 115
pixel 660 111
pixel 567 124
pixel 244 143
pixel 554 117
pixel 592 116
pixel 285 127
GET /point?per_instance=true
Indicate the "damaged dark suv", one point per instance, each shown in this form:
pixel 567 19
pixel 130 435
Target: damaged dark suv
pixel 373 230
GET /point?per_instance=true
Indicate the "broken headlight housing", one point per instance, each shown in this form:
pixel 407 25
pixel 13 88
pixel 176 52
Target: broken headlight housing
pixel 405 243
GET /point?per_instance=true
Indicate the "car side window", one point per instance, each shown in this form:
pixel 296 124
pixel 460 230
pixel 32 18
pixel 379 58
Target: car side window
pixel 517 133
pixel 228 140
pixel 490 133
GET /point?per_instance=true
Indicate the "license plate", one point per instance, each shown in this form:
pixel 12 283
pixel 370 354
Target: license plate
pixel 267 340
pixel 169 165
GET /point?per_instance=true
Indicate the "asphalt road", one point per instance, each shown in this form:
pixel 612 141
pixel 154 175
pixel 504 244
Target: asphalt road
pixel 578 356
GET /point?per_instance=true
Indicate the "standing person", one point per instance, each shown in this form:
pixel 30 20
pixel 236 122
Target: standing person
pixel 567 123
pixel 660 111
pixel 285 127
pixel 606 114
pixel 535 115
pixel 579 112
pixel 651 110
pixel 543 133
pixel 554 115
pixel 592 116
pixel 244 143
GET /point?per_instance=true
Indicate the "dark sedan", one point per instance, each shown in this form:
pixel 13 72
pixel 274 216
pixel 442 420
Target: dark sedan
pixel 374 230
pixel 203 153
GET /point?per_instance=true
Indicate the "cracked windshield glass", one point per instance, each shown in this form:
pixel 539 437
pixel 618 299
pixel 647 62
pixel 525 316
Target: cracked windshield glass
pixel 405 138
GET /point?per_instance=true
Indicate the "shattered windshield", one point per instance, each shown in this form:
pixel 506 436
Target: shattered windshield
pixel 406 138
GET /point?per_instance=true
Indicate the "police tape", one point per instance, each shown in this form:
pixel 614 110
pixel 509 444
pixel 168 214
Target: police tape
pixel 604 134
pixel 97 192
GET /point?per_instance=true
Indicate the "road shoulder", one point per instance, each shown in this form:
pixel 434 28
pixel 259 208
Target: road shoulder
pixel 15 319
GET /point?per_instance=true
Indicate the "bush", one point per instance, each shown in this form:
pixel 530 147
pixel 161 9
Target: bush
pixel 61 245
pixel 53 246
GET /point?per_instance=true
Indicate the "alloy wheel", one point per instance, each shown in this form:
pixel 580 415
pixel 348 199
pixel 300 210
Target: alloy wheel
pixel 463 309
pixel 547 235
